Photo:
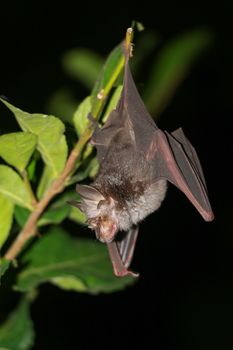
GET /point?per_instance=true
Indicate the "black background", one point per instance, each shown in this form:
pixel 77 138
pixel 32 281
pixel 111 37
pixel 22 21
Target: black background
pixel 183 299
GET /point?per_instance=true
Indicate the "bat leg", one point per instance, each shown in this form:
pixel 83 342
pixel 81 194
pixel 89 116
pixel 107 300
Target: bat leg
pixel 121 253
pixel 126 245
pixel 93 121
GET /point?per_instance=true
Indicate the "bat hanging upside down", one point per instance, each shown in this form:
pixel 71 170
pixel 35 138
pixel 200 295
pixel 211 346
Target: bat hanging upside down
pixel 136 161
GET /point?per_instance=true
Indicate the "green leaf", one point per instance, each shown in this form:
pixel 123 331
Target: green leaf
pixel 94 168
pixel 108 75
pixel 78 264
pixel 4 265
pixel 87 170
pixel 171 67
pixel 16 148
pixel 69 283
pixel 31 169
pixel 138 25
pixel 13 187
pixel 146 43
pixel 6 216
pixel 17 332
pixel 82 64
pixel 80 118
pixel 21 215
pixel 113 102
pixel 50 132
pixel 63 104
pixel 45 181
pixel 55 214
pixel 60 210
pixel 77 215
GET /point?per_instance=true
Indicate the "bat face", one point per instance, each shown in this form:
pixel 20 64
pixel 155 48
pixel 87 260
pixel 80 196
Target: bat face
pixel 100 212
pixel 105 222
pixel 136 161
pixel 106 216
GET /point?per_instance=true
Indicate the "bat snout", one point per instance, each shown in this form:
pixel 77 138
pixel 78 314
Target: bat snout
pixel 106 231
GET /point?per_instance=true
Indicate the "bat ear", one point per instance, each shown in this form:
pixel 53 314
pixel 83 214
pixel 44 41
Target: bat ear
pixel 89 193
pixel 90 198
pixel 76 204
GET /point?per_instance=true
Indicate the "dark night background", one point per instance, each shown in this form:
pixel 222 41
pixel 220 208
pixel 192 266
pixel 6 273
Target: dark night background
pixel 184 297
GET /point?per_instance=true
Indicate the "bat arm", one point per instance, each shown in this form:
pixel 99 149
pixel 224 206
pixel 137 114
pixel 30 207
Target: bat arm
pixel 120 270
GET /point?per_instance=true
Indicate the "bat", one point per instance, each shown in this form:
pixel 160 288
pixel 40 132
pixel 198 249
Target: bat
pixel 137 159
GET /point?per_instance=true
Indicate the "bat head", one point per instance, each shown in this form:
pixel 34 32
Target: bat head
pixel 100 212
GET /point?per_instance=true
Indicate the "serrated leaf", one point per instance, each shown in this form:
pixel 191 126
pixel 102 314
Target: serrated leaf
pixel 113 102
pixel 171 67
pixel 16 148
pixel 59 256
pixel 13 187
pixel 17 332
pixel 82 64
pixel 6 216
pixel 80 118
pixel 4 265
pixel 50 132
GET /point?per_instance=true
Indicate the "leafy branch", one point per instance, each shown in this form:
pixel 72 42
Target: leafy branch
pixel 30 228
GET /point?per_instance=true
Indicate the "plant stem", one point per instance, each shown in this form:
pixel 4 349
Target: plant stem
pixel 105 91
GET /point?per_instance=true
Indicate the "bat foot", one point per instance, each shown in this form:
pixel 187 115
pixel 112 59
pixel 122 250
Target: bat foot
pixel 93 120
pixel 125 272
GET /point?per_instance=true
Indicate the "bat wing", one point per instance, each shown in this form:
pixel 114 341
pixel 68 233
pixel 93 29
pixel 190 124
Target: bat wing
pixel 175 159
pixel 129 125
pixel 131 133
pixel 121 253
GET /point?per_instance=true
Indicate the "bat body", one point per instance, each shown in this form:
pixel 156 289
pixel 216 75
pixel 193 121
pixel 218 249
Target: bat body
pixel 137 159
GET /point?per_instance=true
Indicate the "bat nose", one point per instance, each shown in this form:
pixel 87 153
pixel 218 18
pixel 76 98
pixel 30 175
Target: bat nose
pixel 106 234
pixel 101 238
